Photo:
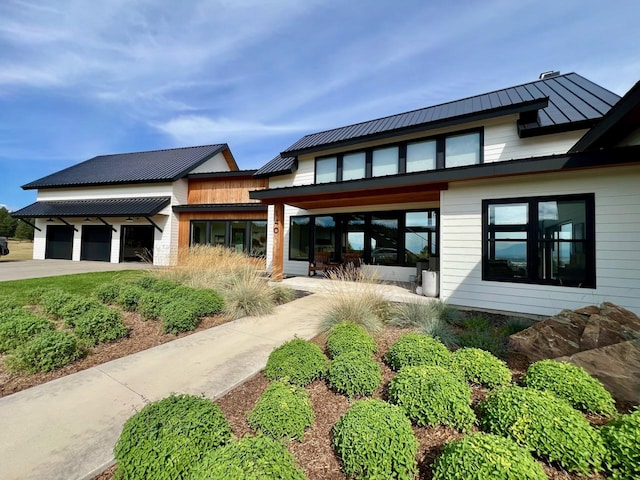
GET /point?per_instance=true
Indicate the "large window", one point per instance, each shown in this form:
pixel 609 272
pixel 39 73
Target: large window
pixel 382 238
pixel 547 240
pixel 249 236
pixel 442 151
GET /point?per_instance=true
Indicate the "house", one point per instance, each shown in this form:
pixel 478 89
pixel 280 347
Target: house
pixel 146 206
pixel 524 199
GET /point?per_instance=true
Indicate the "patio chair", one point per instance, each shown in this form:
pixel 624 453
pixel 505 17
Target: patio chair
pixel 320 263
pixel 352 260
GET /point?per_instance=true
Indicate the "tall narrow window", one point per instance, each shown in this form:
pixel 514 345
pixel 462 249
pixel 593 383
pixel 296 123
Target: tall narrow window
pixel 421 156
pixel 299 238
pixel 507 232
pixel 385 161
pixel 326 169
pixel 384 239
pixel 353 166
pixel 420 236
pixel 218 233
pixel 258 238
pixel 462 150
pixel 325 234
pixel 198 233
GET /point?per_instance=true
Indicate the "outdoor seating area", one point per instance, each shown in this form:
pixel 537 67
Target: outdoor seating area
pixel 323 262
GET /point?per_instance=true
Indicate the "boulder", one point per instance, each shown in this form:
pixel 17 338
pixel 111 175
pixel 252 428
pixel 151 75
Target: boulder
pixel 616 366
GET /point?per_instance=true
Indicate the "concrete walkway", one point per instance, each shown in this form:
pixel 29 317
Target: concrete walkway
pixel 66 429
pixel 22 269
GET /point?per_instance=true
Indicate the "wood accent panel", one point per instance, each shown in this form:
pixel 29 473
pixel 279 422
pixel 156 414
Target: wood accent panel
pixel 224 190
pixel 184 221
pixel 277 262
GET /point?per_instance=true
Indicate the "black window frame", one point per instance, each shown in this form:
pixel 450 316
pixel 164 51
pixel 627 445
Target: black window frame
pixel 367 253
pixel 402 154
pixel 533 240
pixel 227 231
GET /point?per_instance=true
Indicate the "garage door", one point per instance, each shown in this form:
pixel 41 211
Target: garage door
pixel 96 243
pixel 59 242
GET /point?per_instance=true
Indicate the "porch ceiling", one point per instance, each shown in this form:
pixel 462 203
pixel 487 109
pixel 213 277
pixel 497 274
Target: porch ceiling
pixel 355 198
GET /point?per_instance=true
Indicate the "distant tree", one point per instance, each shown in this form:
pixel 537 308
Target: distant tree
pixel 24 231
pixel 8 224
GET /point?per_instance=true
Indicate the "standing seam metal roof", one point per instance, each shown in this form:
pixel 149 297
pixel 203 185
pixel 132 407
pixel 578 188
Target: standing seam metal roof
pixel 151 166
pixel 108 207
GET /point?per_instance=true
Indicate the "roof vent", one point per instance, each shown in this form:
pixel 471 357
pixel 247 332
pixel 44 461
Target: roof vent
pixel 549 74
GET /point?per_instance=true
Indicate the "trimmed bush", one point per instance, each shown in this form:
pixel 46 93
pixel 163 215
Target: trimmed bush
pixel 374 440
pixel 150 304
pixel 354 374
pixel 347 337
pixel 487 457
pixel 100 325
pixel 179 316
pixel 19 326
pixel 431 395
pixel 283 411
pixel 7 304
pixel 77 307
pixel 166 438
pixel 54 300
pixel 108 292
pixel 34 296
pixel 203 300
pixel 621 437
pixel 46 351
pixel 251 458
pixel 417 349
pixel 544 424
pixel 481 367
pixel 128 297
pixel 298 361
pixel 573 384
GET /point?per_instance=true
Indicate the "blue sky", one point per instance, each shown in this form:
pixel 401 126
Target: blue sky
pixel 81 78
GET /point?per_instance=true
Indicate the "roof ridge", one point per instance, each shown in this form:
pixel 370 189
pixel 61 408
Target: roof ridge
pixel 160 150
pixel 442 104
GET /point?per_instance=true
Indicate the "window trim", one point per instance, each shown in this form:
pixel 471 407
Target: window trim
pixel 533 239
pixel 402 154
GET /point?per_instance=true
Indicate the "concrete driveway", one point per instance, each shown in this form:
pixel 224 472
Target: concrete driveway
pixel 21 269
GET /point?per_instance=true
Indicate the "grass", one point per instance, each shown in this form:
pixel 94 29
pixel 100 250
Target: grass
pixel 19 250
pixel 80 284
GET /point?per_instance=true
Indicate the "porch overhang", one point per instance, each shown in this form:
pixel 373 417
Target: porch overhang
pixel 426 186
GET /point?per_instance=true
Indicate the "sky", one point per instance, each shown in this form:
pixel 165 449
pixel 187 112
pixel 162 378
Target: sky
pixel 83 78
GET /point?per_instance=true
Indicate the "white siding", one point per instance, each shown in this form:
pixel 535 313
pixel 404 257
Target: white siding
pixel 216 164
pixel 617 201
pixel 40 239
pixel 113 191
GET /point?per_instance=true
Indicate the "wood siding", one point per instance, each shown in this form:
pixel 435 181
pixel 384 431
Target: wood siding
pixel 223 190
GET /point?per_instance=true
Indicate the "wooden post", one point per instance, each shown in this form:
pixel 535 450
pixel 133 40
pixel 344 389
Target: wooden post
pixel 277 263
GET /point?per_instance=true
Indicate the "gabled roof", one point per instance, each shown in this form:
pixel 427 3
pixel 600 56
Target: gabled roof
pixel 278 166
pixel 619 122
pixel 139 167
pixel 564 102
pixel 108 207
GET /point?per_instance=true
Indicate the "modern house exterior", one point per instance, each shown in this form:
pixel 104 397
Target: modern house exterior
pixel 524 199
pixel 145 206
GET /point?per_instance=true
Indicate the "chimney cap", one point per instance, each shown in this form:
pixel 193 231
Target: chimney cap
pixel 549 74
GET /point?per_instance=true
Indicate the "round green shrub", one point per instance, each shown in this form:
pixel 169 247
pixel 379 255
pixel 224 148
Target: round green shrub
pixel 481 367
pixel 34 295
pixel 432 395
pixel 546 425
pixel 283 411
pixel 251 458
pixel 178 316
pixel 572 383
pixel 19 326
pixel 128 297
pixel 44 352
pixel 374 440
pixel 150 304
pixel 204 301
pixel 7 304
pixel 298 361
pixel 108 292
pixel 487 457
pixel 347 337
pixel 622 439
pixel 165 438
pixel 417 349
pixel 354 374
pixel 53 301
pixel 100 325
pixel 76 307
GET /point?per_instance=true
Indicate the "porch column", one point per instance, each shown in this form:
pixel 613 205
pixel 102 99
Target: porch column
pixel 277 262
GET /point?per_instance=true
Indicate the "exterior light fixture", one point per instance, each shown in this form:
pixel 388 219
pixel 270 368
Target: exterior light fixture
pixel 129 219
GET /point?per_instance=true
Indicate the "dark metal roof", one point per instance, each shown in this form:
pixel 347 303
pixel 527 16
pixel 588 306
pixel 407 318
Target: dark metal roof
pixel 110 207
pixel 563 102
pixel 221 207
pixel 139 167
pixel 619 122
pixel 278 166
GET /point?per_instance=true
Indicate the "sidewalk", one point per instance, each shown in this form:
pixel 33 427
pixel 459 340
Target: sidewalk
pixel 66 429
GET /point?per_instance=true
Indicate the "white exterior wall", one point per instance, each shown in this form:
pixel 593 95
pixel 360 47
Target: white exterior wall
pixel 216 164
pixel 617 223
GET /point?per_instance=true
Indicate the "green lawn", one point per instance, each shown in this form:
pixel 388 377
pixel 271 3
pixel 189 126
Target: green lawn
pixel 82 283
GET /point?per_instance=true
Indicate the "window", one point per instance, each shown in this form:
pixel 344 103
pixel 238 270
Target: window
pixel 421 156
pixel 420 236
pixel 299 240
pixel 325 234
pixel 249 236
pixel 385 162
pixel 462 150
pixel 442 151
pixel 384 239
pixel 540 240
